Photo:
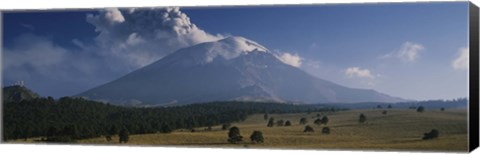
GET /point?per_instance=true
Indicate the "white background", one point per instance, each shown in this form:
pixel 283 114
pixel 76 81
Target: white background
pixel 86 149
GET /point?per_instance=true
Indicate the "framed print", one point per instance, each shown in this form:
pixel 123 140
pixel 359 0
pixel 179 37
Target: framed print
pixel 371 76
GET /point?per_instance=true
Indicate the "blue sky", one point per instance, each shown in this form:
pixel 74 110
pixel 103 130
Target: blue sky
pixel 409 50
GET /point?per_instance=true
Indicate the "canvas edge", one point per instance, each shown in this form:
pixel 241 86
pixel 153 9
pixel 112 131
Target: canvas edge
pixel 473 77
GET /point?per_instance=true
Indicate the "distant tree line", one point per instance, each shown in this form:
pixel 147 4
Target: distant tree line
pixel 428 104
pixel 68 119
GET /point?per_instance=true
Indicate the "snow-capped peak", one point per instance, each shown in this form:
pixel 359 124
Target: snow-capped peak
pixel 231 47
pixel 243 44
pixel 225 49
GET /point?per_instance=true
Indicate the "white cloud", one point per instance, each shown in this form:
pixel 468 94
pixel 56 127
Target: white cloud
pixel 408 52
pixel 134 39
pixel 359 73
pixel 461 61
pixel 114 15
pixel 78 43
pixel 291 59
pixel 27 52
pixel 137 37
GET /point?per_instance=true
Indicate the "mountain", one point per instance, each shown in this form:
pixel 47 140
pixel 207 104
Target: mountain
pixel 17 93
pixel 233 68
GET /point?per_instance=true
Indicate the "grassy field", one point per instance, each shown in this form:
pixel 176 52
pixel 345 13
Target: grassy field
pixel 397 130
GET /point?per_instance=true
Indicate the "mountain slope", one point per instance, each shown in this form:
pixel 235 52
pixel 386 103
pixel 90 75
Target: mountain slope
pixel 230 69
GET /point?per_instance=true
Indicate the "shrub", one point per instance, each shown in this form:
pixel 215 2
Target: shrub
pixel 308 129
pixel 303 121
pixel 270 122
pixel 256 137
pixel 362 118
pixel 288 123
pixel 325 130
pixel 324 120
pixel 420 109
pixel 430 135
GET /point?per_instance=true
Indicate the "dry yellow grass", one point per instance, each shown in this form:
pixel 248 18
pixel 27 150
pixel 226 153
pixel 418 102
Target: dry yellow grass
pixel 398 130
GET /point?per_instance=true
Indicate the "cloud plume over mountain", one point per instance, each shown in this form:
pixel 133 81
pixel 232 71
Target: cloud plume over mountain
pixel 126 40
pixel 138 37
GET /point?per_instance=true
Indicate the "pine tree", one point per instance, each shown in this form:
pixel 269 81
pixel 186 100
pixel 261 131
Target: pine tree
pixel 420 109
pixel 256 137
pixel 431 135
pixel 234 135
pixel 303 121
pixel 324 120
pixel 113 130
pixel 166 128
pixel 123 135
pixel 271 122
pixel 288 123
pixel 308 129
pixel 362 118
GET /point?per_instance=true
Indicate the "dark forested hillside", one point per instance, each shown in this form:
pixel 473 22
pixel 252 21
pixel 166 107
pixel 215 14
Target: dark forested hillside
pixel 68 119
pixel 17 93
